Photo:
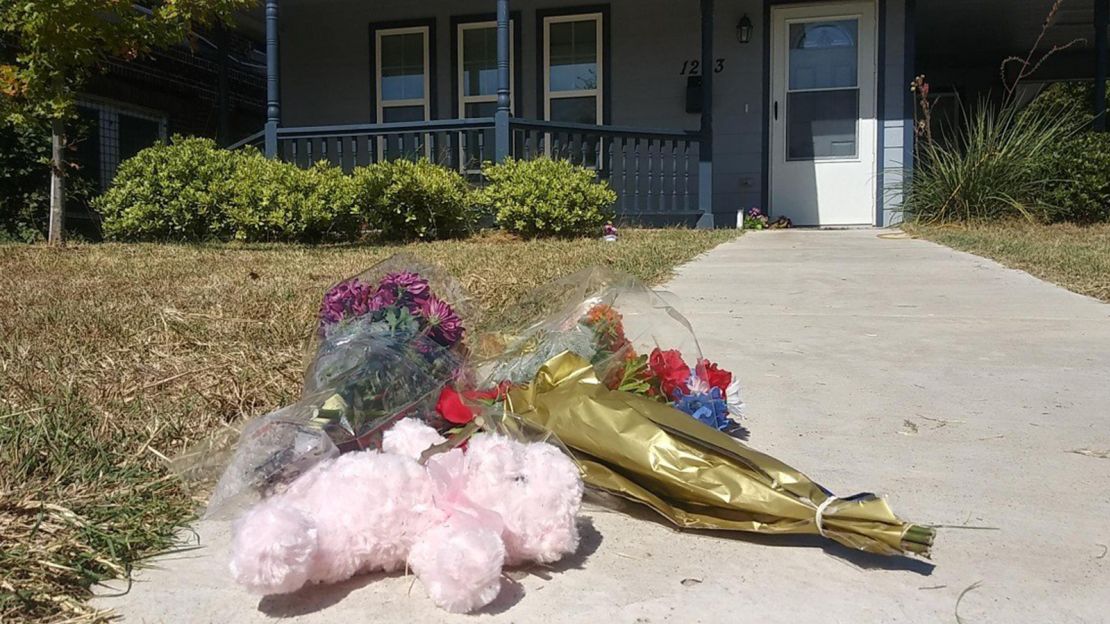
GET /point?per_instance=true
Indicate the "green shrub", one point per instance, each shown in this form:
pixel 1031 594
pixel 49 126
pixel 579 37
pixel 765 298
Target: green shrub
pixel 546 197
pixel 1077 96
pixel 275 201
pixel 413 200
pixel 994 166
pixel 1079 187
pixel 174 192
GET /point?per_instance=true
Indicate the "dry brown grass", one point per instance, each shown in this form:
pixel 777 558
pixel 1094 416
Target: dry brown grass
pixel 1077 258
pixel 113 357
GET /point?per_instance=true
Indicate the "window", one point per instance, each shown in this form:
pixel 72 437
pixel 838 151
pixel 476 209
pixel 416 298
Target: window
pixel 573 68
pixel 822 99
pixel 402 75
pixel 477 84
pixel 110 134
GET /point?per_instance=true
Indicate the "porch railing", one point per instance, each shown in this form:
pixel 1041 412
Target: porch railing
pixel 653 171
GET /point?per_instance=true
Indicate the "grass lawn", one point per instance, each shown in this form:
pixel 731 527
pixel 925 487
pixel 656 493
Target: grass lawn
pixel 113 357
pixel 1077 258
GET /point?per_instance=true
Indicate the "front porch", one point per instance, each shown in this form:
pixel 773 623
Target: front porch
pixel 660 175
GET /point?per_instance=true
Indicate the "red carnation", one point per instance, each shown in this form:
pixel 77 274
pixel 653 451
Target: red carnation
pixel 670 370
pixel 715 376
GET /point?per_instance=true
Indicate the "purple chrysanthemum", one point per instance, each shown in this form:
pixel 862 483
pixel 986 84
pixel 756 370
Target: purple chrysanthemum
pixel 346 300
pixel 406 283
pixel 444 326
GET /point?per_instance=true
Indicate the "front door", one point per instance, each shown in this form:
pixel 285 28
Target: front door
pixel 822 117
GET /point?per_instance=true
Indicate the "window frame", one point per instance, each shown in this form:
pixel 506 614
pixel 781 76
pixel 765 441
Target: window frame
pixel 428 31
pixel 599 92
pixel 462 99
pixel 107 129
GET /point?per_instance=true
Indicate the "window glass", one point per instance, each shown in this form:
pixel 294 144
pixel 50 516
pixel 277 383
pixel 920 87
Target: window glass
pixel 479 47
pixel 821 124
pixel 824 55
pixel 392 114
pixel 480 109
pixel 402 64
pixel 574 54
pixel 575 110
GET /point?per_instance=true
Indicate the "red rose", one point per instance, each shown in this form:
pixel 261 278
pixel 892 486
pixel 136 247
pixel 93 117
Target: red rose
pixel 716 377
pixel 670 370
pixel 452 409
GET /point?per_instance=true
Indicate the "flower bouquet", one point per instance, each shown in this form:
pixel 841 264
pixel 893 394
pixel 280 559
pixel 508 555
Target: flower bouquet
pixel 651 428
pixel 386 345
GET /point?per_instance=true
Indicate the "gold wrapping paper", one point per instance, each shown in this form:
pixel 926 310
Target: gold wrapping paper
pixel 695 476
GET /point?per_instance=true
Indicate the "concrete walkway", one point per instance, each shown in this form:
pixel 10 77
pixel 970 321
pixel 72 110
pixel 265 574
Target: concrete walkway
pixel 960 389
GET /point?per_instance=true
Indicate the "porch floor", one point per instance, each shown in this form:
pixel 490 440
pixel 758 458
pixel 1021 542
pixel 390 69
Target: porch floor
pixel 957 387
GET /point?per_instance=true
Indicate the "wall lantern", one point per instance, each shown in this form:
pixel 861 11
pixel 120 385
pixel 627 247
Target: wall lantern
pixel 744 29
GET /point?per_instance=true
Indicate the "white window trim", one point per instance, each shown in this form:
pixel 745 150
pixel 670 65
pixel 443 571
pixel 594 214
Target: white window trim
pixel 425 101
pixel 465 99
pixel 598 92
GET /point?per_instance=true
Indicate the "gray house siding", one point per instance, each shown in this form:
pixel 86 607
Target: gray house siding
pixel 326 75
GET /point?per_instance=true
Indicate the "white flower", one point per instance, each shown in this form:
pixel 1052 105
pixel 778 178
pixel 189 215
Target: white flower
pixel 732 397
pixel 697 385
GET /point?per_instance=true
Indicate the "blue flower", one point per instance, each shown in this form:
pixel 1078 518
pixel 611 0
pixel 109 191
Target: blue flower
pixel 710 407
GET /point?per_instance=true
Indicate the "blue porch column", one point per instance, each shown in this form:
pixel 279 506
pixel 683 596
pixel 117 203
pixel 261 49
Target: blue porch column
pixel 1102 20
pixel 501 117
pixel 705 150
pixel 273 97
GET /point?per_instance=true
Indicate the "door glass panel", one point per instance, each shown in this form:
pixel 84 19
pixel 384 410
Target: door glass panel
pixel 821 124
pixel 575 110
pixel 824 55
pixel 573 53
pixel 402 66
pixel 822 102
pixel 479 61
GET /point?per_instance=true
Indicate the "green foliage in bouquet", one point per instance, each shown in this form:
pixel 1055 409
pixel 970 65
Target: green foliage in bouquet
pixel 276 201
pixel 174 192
pixel 545 197
pixel 413 200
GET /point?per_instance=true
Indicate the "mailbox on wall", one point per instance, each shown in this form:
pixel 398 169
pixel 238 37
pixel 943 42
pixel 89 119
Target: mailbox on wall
pixel 693 94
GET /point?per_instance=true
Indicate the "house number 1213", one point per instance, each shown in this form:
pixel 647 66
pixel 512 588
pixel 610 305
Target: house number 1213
pixel 693 68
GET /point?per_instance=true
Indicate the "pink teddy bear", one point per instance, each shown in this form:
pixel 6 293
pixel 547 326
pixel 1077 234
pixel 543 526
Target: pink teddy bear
pixel 455 521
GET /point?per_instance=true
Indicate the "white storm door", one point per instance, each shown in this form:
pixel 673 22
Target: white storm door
pixel 823 127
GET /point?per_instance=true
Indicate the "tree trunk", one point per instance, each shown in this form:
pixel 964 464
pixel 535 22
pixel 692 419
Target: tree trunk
pixel 57 182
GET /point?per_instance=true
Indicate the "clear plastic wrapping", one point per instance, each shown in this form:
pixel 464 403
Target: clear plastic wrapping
pixel 386 344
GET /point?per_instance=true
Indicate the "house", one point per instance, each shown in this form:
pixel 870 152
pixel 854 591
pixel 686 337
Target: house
pixel 214 86
pixel 692 110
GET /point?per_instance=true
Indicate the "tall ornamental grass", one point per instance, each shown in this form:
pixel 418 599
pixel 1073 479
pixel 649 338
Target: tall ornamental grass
pixel 995 166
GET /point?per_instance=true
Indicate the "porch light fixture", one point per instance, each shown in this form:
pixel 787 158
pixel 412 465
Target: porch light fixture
pixel 744 29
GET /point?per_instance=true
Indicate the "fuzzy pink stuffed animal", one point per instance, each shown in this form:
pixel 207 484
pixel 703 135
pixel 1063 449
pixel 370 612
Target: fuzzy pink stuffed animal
pixel 454 521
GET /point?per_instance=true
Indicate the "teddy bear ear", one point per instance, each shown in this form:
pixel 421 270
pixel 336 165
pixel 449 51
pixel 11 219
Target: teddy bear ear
pixel 410 437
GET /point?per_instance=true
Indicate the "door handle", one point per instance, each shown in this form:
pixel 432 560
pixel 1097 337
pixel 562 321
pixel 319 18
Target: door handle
pixel 776 107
